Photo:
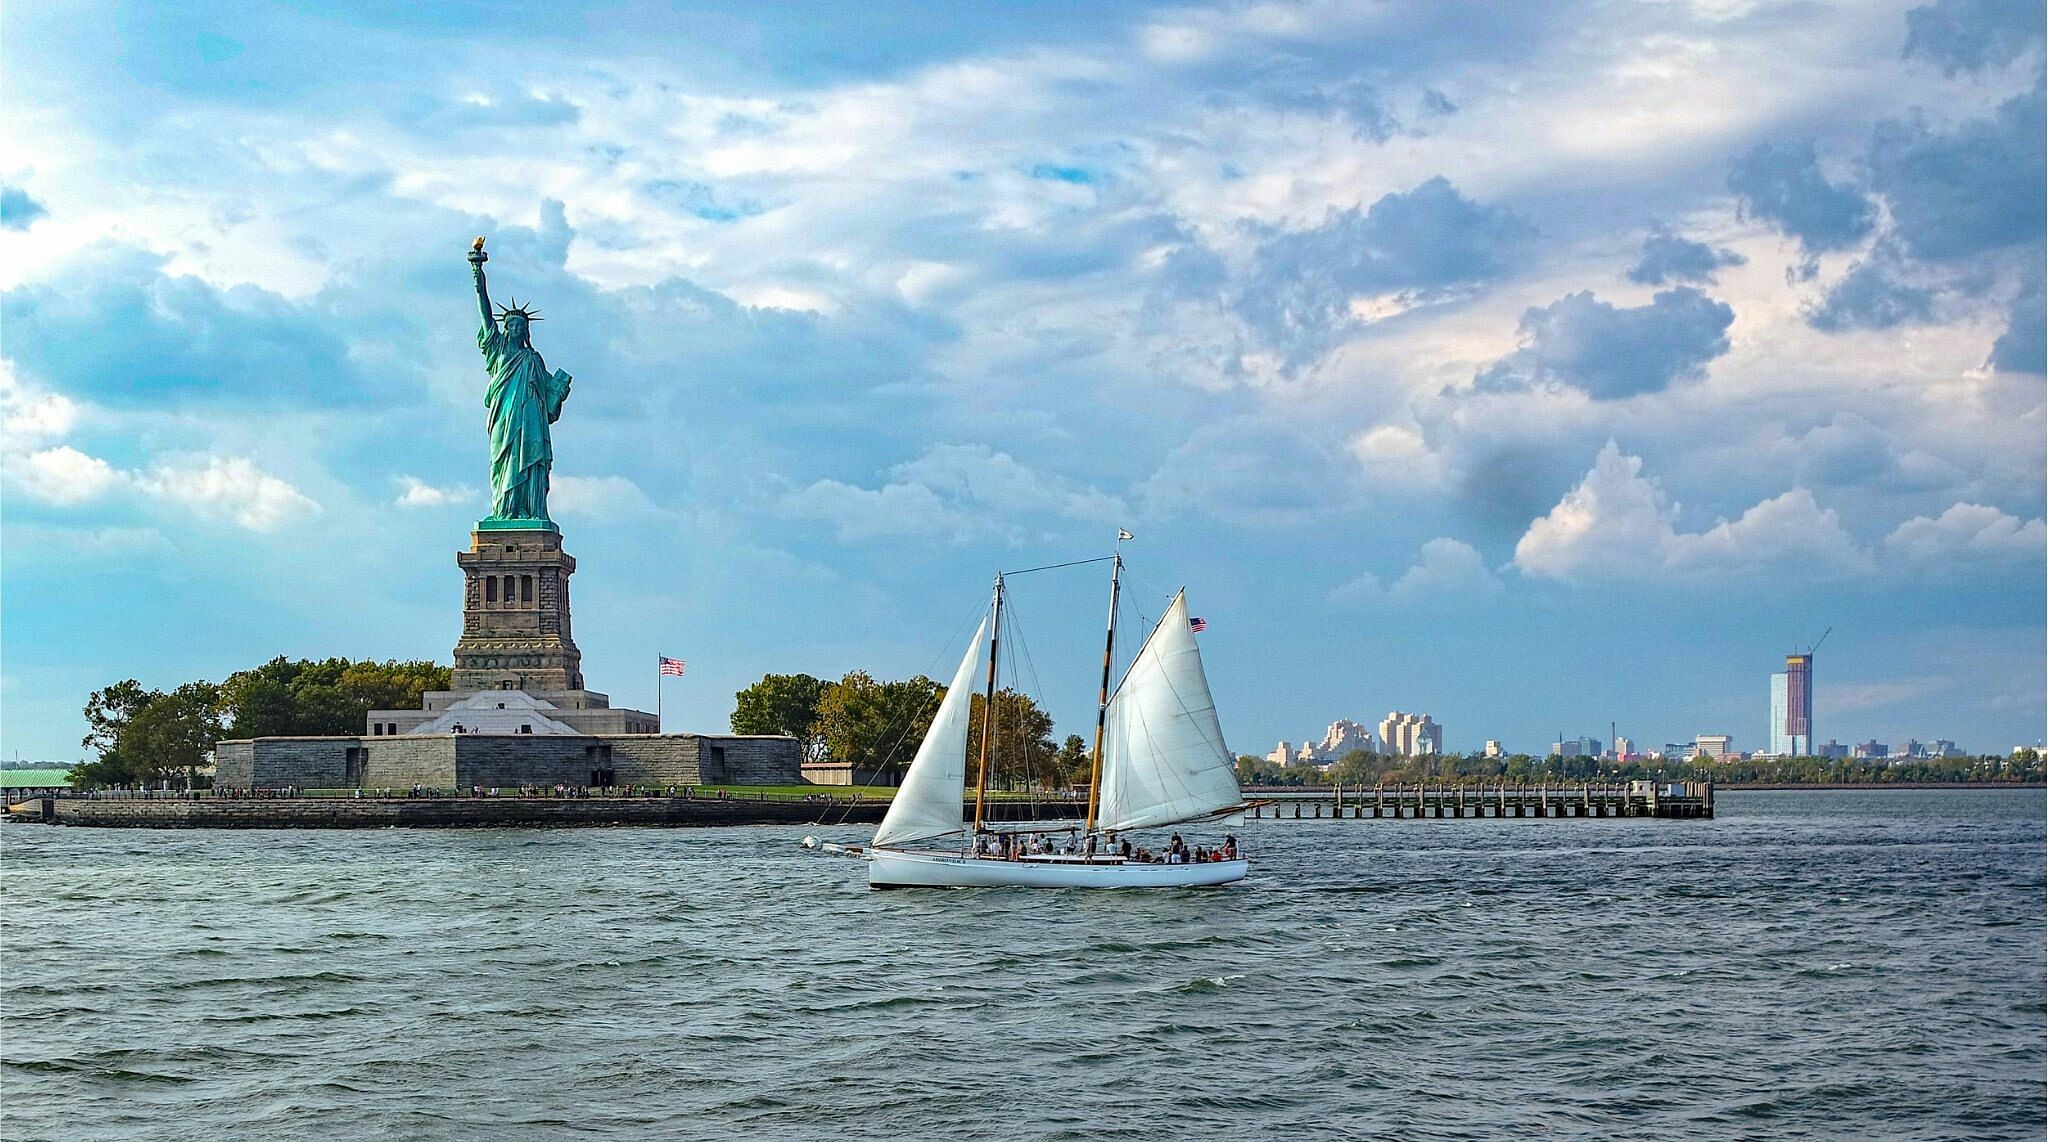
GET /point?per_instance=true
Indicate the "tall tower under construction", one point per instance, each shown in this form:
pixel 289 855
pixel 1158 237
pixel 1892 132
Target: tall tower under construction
pixel 1792 707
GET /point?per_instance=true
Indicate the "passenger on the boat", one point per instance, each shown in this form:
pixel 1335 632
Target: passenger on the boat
pixel 1229 848
pixel 1124 847
pixel 1091 845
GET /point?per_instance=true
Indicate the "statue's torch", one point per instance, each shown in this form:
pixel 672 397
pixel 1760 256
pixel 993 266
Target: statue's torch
pixel 477 257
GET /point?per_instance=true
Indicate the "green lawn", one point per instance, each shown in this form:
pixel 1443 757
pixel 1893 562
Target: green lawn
pixel 867 792
pixel 34 778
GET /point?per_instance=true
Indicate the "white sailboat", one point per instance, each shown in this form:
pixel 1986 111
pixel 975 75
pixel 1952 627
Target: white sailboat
pixel 1160 760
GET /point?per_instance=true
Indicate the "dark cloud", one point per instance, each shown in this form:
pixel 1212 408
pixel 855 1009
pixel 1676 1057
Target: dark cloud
pixel 1670 258
pixel 1610 352
pixel 17 210
pixel 1873 296
pixel 1970 35
pixel 1782 183
pixel 1507 484
pixel 1960 193
pixel 2023 347
pixel 1425 241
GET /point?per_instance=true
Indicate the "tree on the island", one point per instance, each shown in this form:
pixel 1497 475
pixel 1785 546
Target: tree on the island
pixel 1076 761
pixel 782 704
pixel 308 698
pixel 153 738
pixel 1020 752
pixel 108 709
pixel 876 725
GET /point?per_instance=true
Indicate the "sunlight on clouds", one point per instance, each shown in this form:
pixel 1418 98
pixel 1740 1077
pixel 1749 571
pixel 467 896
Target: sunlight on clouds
pixel 231 488
pixel 1619 524
pixel 64 476
pixel 417 493
pixel 1969 532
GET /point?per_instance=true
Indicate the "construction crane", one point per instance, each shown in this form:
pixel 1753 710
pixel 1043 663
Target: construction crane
pixel 1823 638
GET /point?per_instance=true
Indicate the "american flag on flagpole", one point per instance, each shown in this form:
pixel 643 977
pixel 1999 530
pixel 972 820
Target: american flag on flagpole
pixel 672 667
pixel 1198 624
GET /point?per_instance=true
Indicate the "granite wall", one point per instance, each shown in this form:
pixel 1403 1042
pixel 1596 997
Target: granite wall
pixel 446 761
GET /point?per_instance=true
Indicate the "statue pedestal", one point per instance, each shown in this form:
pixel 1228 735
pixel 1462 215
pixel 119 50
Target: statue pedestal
pixel 515 611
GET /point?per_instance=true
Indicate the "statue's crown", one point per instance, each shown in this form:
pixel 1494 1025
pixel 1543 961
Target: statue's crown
pixel 505 311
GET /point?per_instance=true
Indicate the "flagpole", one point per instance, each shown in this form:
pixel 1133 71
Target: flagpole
pixel 657 691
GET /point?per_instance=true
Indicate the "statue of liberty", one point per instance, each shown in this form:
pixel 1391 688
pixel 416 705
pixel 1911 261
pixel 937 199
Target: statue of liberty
pixel 523 399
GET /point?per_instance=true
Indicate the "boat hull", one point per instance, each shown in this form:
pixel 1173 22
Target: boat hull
pixel 895 868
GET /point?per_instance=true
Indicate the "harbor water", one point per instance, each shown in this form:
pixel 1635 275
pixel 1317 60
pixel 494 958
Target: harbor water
pixel 1809 964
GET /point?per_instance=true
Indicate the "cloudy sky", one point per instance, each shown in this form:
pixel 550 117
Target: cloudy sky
pixel 1532 366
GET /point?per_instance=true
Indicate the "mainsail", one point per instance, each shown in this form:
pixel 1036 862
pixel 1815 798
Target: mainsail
pixel 1163 757
pixel 929 803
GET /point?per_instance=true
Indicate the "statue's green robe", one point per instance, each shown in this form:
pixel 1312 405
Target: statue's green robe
pixel 523 399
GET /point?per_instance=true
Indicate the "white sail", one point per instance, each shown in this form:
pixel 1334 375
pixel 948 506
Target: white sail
pixel 1163 757
pixel 930 802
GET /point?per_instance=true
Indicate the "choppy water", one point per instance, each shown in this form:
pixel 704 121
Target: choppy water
pixel 1840 965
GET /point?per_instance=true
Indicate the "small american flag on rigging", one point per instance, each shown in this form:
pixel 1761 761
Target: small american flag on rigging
pixel 671 666
pixel 1198 624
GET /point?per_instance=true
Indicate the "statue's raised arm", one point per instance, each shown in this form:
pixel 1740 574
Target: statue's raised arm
pixel 477 258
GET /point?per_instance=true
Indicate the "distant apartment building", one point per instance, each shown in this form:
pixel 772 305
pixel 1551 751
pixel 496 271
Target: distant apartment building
pixel 1870 749
pixel 1718 747
pixel 1832 749
pixel 1411 735
pixel 1623 748
pixel 1344 736
pixel 1792 707
pixel 1493 749
pixel 1576 747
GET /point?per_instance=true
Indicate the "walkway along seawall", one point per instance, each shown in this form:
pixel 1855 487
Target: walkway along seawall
pixel 208 812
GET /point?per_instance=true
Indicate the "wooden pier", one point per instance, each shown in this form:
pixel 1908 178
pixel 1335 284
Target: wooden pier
pixel 1664 799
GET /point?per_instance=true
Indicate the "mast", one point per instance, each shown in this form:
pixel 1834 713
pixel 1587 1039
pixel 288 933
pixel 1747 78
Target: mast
pixel 988 706
pixel 1102 703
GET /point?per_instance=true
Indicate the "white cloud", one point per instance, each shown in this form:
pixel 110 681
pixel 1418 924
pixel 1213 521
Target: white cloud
pixel 1444 567
pixel 959 490
pixel 230 487
pixel 603 497
pixel 1618 524
pixel 1397 456
pixel 979 473
pixel 417 493
pixel 1968 531
pixel 63 476
pixel 31 416
pixel 890 511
